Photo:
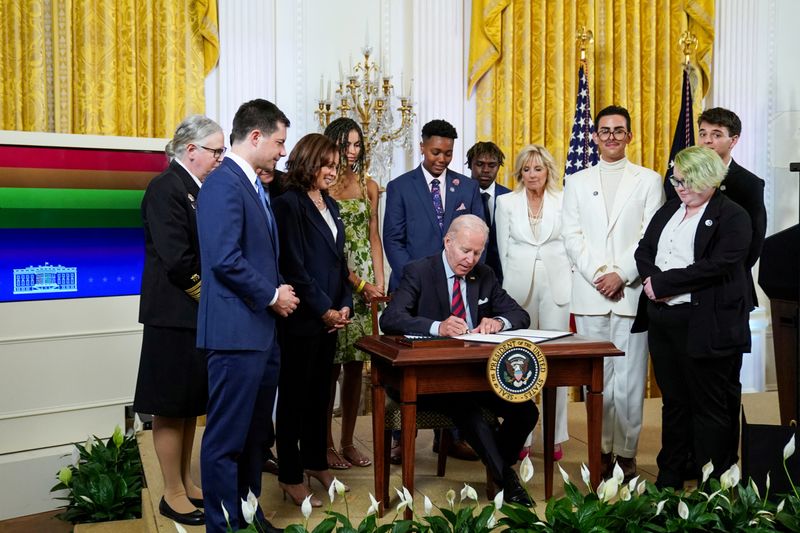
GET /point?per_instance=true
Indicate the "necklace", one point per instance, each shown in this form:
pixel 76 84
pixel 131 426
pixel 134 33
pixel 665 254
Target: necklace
pixel 535 216
pixel 319 202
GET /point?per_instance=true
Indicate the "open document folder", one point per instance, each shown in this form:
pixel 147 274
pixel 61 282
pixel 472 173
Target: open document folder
pixel 534 335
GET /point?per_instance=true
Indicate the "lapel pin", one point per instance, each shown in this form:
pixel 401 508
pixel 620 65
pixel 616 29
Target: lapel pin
pixel 709 223
pixel 455 182
pixel 595 193
pixel 722 187
pixel 452 189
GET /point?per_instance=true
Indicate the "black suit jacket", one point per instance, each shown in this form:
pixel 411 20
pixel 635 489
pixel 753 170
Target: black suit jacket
pixel 171 276
pixel 721 301
pixel 311 261
pixel 492 254
pixel 422 298
pixel 747 190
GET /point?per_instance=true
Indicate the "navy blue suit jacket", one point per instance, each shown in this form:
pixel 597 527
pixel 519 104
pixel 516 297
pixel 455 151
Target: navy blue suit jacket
pixel 410 228
pixel 492 254
pixel 239 258
pixel 311 261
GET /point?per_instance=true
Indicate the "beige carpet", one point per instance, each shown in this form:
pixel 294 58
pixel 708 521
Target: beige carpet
pixel 761 408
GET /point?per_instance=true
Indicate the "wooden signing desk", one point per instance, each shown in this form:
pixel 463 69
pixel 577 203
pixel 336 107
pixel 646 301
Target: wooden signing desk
pixel 571 361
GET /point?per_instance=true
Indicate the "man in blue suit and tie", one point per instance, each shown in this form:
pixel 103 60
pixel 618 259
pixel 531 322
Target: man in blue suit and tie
pixel 241 297
pixel 420 205
pixel 484 160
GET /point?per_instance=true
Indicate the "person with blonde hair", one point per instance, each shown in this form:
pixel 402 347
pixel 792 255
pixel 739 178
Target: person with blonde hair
pixel 695 307
pixel 532 254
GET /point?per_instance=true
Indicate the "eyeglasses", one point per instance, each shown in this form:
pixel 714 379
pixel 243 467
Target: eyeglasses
pixel 218 152
pixel 678 183
pixel 618 134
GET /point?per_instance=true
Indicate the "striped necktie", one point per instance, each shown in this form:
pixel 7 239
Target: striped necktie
pixel 457 302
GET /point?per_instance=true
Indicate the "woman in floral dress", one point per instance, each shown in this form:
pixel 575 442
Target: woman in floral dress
pixel 358 203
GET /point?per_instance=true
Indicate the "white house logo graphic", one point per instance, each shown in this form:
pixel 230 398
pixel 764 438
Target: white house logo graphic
pixel 45 278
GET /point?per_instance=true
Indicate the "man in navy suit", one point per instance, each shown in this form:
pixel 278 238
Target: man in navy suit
pixel 450 293
pixel 241 297
pixel 420 205
pixel 484 160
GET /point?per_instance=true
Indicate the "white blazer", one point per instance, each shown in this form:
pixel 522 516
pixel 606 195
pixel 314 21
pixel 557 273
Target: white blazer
pixel 597 243
pixel 519 249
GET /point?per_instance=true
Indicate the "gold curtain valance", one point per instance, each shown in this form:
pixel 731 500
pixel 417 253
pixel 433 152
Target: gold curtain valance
pixel 524 64
pixel 108 67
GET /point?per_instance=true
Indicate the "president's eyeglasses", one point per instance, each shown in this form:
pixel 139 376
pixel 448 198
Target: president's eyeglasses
pixel 218 152
pixel 618 133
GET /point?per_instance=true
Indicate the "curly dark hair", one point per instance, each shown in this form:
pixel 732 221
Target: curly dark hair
pixel 485 148
pixel 338 131
pixel 310 154
pixel 438 128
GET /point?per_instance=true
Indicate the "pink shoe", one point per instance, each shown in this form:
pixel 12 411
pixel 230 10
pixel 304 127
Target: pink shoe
pixel 524 452
pixel 558 453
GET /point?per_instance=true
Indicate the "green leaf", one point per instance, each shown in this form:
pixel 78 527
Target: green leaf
pixel 326 526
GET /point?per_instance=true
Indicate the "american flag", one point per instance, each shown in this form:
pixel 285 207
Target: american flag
pixel 684 131
pixel 582 151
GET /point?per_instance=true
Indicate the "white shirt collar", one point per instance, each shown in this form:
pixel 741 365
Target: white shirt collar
pixel 195 178
pixel 489 189
pixel 447 270
pixel 430 177
pixel 249 171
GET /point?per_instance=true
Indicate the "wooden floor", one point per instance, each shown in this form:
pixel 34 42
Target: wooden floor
pixel 760 408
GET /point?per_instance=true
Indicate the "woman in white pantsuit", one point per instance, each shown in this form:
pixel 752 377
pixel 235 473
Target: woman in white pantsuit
pixel 536 271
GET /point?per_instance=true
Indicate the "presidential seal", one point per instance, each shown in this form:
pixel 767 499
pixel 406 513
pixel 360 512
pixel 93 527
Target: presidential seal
pixel 516 370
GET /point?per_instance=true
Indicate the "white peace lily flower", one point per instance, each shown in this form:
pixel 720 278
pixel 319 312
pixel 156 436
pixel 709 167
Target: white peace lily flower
pixel 75 458
pixel 332 492
pixel 179 528
pixel 641 487
pixel 87 499
pixel 610 489
pixel 632 484
pixel 707 469
pixel 405 500
pixel 767 481
pixel 468 492
pixel 138 425
pixel 248 511
pixel 306 508
pixel 586 476
pixel 601 487
pixel 491 522
pixel 339 486
pixel 729 478
pixel 755 488
pixel 251 499
pixel 408 498
pixel 564 475
pixel 498 500
pixel 373 505
pixel 788 450
pixel 618 475
pixel 427 506
pixel 451 497
pixel 526 469
pixel 225 513
pixel 625 493
pixel 780 506
pixel 683 510
pixel 90 443
pixel 660 507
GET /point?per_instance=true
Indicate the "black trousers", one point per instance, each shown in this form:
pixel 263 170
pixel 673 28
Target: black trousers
pixel 303 395
pixel 498 447
pixel 696 410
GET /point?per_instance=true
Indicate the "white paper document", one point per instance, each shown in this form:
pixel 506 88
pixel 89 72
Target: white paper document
pixel 533 335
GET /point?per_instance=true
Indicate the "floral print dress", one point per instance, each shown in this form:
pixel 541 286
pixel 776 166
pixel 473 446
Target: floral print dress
pixel 355 215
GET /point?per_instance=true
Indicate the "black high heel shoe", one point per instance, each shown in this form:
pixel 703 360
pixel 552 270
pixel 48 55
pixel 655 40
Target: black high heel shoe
pixel 197 502
pixel 195 518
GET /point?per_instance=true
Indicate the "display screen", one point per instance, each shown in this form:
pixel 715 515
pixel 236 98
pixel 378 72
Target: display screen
pixel 70 222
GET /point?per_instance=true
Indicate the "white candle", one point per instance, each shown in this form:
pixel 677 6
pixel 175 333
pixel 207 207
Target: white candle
pixel 341 72
pixel 329 91
pixel 402 83
pixel 320 88
pixel 410 88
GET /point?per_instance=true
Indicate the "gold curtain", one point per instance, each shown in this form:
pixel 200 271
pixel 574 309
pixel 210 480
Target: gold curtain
pixel 524 64
pixel 106 67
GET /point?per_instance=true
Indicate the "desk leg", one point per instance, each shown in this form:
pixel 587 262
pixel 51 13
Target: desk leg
pixel 408 421
pixel 594 416
pixel 380 465
pixel 549 416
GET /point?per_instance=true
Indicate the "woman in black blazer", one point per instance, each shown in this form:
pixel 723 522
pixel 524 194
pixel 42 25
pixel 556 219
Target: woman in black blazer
pixel 312 260
pixel 695 306
pixel 172 384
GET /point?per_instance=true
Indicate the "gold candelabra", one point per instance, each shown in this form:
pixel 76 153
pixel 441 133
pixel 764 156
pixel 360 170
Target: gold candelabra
pixel 365 95
pixel 688 43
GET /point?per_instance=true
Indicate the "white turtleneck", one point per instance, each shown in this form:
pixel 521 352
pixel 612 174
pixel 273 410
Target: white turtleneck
pixel 610 176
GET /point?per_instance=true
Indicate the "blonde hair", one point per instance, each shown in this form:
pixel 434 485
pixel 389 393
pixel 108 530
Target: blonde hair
pixel 701 167
pixel 531 153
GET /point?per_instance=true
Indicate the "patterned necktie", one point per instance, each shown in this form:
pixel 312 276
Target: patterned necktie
pixel 436 194
pixel 457 302
pixel 265 205
pixel 487 216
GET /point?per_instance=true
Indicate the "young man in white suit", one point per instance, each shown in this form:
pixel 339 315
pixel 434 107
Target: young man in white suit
pixel 605 212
